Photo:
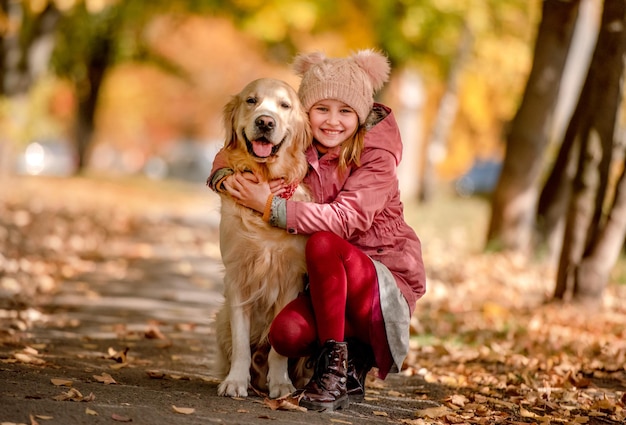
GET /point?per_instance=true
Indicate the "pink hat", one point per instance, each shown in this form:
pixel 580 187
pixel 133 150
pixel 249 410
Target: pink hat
pixel 352 80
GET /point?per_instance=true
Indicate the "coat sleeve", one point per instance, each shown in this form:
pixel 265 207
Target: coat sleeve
pixel 365 193
pixel 219 172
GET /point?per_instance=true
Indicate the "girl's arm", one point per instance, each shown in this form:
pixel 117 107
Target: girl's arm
pixel 365 193
pixel 222 176
pixel 219 172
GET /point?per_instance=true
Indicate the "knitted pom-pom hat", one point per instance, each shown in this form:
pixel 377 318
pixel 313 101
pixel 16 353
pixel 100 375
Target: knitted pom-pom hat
pixel 352 80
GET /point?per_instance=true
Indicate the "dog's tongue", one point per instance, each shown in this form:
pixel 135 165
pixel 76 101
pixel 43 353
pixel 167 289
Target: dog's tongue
pixel 262 149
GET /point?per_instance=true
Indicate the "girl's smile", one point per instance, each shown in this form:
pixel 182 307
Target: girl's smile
pixel 332 123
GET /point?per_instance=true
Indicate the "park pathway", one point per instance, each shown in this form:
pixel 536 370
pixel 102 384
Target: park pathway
pixel 127 337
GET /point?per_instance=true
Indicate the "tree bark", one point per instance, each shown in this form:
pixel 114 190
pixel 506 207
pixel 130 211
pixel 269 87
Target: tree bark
pixel 594 271
pixel 556 193
pixel 515 198
pixel 587 254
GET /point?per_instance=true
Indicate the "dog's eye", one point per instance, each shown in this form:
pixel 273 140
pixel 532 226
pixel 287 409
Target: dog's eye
pixel 251 101
pixel 285 105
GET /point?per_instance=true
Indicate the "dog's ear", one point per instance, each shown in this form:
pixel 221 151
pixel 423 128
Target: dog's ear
pixel 230 112
pixel 304 135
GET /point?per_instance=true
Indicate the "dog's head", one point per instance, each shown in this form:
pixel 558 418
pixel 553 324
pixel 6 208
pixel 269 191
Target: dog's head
pixel 266 120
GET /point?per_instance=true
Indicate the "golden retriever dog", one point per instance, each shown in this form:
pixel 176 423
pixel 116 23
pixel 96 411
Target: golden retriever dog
pixel 267 133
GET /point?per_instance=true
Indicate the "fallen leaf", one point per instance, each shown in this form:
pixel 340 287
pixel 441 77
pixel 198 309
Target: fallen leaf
pixel 155 374
pixel 458 400
pixel 433 412
pixel 59 382
pixel 180 377
pixel 105 378
pixel 339 421
pixel 285 403
pixel 28 358
pixel 33 421
pixel 74 395
pixel 185 326
pixel 183 410
pixel 44 417
pixel 379 413
pixel 120 418
pixel 31 351
pixel 91 412
pixel 604 403
pixel 527 413
pixel 118 356
pixel 154 332
pixel 454 419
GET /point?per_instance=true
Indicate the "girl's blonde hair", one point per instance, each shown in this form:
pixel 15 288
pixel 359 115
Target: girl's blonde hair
pixel 351 149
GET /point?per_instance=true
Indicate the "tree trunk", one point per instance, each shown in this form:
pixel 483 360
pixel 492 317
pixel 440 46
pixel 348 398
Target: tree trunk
pixel 581 213
pixel 594 270
pixel 588 250
pixel 88 94
pixel 515 198
pixel 556 193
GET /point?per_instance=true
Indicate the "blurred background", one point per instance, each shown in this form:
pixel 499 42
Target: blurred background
pixel 137 87
pixel 488 95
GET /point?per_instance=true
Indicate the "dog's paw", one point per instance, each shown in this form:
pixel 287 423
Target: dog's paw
pixel 281 389
pixel 232 388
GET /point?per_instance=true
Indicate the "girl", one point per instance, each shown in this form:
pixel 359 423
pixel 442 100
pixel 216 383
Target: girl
pixel 364 262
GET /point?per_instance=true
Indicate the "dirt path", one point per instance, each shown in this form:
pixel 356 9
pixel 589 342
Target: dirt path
pixel 136 309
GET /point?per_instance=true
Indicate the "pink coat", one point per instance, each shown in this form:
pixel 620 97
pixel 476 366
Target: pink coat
pixel 363 206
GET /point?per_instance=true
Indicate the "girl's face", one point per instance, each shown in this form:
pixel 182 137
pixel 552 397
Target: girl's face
pixel 332 122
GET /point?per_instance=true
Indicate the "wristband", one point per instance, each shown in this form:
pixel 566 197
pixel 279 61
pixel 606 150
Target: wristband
pixel 267 212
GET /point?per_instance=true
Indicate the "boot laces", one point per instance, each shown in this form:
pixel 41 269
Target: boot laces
pixel 322 363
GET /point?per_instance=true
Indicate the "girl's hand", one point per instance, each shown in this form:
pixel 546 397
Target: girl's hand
pixel 248 191
pixel 277 186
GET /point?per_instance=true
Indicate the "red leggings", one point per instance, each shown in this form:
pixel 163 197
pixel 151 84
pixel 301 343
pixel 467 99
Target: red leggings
pixel 342 283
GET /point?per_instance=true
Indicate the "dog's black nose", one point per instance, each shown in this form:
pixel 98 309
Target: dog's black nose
pixel 265 123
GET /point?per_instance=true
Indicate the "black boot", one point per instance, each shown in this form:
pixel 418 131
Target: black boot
pixel 360 361
pixel 327 388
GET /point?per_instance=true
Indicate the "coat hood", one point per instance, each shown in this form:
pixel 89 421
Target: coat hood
pixel 383 132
